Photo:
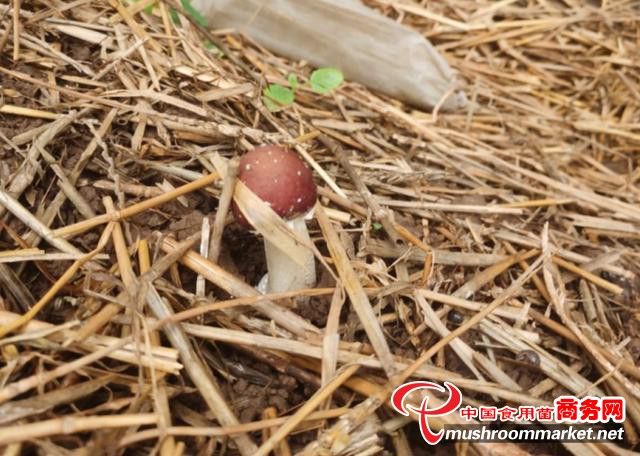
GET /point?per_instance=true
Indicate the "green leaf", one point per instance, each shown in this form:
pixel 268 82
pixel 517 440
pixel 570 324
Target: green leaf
pixel 324 80
pixel 175 18
pixel 194 13
pixel 279 94
pixel 293 81
pixel 376 226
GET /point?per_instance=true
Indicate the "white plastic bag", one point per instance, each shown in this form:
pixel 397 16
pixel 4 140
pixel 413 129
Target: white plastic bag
pixel 369 48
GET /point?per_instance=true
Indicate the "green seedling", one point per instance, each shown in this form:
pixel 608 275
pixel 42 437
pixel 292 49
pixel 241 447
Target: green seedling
pixel 275 96
pixel 293 81
pixel 322 80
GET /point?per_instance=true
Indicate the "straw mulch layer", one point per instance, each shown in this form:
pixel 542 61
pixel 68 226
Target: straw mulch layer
pixel 495 247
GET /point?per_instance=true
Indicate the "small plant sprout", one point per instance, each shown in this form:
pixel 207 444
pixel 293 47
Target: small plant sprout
pixel 282 180
pixel 324 80
pixel 293 81
pixel 321 81
pixel 276 96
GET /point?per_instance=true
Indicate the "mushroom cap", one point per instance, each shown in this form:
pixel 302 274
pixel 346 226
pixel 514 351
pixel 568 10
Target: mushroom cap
pixel 280 178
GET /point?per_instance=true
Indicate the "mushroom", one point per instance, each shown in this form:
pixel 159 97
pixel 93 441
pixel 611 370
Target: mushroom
pixel 282 180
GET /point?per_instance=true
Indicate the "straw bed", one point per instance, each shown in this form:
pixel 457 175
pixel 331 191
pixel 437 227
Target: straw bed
pixel 496 247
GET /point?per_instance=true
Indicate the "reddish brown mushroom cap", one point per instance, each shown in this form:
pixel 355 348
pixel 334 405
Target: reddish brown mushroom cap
pixel 280 178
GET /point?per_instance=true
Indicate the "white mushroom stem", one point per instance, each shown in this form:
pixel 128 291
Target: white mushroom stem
pixel 284 273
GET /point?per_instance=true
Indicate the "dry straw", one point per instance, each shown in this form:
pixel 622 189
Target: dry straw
pixel 448 243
